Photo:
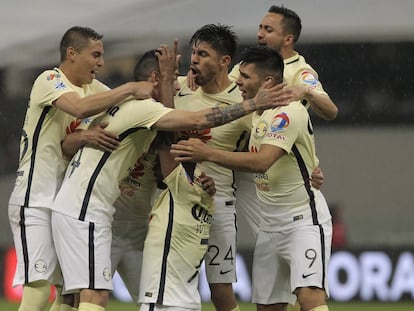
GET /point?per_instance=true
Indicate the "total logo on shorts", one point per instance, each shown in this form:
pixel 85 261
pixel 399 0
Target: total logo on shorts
pixel 40 266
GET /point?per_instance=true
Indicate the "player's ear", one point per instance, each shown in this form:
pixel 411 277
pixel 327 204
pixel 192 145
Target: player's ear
pixel 289 40
pixel 226 60
pixel 154 76
pixel 270 79
pixel 70 52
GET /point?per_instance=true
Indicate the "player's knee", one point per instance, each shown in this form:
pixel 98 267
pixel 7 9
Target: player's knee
pixel 310 298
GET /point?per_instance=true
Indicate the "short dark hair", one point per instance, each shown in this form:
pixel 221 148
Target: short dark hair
pixel 145 65
pixel 221 38
pixel 267 61
pixel 291 22
pixel 78 38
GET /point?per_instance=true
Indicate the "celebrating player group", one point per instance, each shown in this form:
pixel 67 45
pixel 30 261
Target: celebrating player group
pixel 147 178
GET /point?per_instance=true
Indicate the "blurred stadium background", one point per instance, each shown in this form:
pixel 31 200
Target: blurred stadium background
pixel 363 52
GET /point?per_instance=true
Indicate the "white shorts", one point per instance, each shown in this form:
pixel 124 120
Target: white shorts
pixel 35 251
pixel 156 307
pixel 83 249
pixel 220 259
pixel 248 204
pixel 128 239
pixel 286 260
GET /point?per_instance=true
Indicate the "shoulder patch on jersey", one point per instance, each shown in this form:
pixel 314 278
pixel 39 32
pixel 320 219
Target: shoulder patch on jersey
pixel 279 122
pixel 309 78
pixel 52 76
pixel 260 129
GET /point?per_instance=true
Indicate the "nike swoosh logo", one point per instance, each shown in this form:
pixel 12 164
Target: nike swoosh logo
pixel 225 272
pixel 307 275
pixel 183 94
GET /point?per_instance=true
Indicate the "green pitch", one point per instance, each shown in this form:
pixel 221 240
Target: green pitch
pixel 349 306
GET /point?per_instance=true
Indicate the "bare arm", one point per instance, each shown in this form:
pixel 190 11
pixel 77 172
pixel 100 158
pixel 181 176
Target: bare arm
pixel 267 97
pixel 88 106
pixel 168 63
pixel 95 136
pixel 257 162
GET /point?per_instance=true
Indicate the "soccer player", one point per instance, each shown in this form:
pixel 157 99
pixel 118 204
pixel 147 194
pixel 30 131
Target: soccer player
pixel 58 97
pixel 83 208
pixel 294 238
pixel 178 233
pixel 212 50
pixel 280 29
pixel 132 208
pixel 178 230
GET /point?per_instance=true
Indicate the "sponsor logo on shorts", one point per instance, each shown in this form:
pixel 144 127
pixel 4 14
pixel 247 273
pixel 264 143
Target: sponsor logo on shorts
pixel 40 266
pixel 307 275
pixel 107 274
pixel 148 294
pixel 298 217
pixel 225 272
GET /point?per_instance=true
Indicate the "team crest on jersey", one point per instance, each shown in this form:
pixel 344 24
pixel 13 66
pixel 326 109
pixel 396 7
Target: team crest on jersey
pixel 309 78
pixel 261 129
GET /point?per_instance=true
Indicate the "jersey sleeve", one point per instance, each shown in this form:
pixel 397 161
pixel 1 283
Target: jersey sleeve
pixel 48 87
pixel 285 126
pixel 309 78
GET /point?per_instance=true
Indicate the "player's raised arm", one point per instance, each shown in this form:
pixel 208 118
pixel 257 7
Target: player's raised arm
pixel 267 97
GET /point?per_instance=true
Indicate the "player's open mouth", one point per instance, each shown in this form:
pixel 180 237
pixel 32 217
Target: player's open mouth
pixel 194 71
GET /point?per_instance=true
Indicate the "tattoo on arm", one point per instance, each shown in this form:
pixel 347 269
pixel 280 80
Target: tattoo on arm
pixel 221 115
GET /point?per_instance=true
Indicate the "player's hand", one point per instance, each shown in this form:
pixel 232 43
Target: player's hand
pixel 168 60
pixel 99 138
pixel 207 183
pixel 298 92
pixel 271 96
pixel 142 89
pixel 317 178
pixel 192 85
pixel 192 150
